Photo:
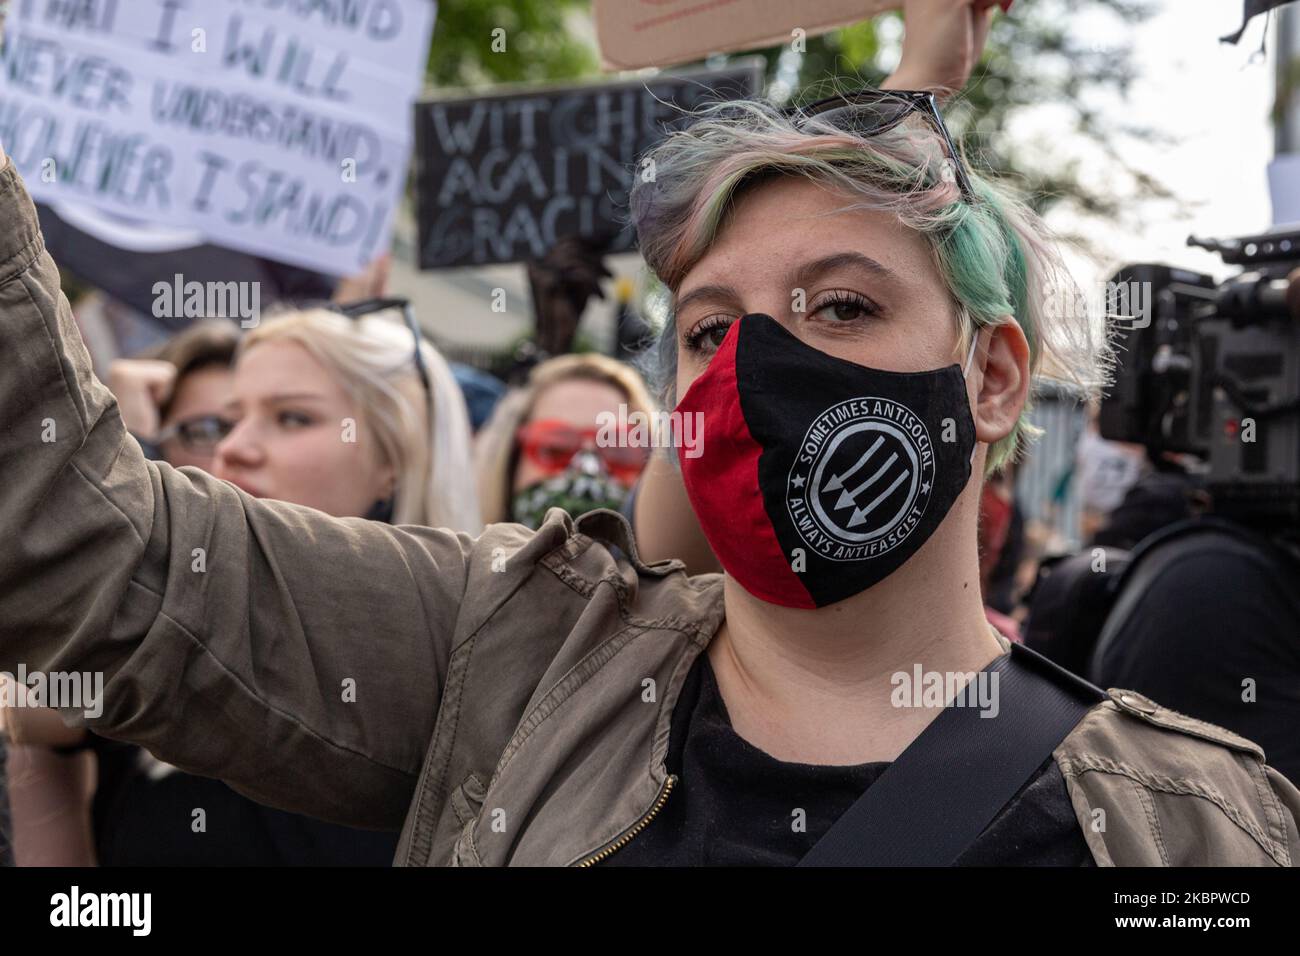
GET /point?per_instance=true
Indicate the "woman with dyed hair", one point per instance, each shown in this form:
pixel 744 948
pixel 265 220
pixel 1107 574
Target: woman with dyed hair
pixel 857 318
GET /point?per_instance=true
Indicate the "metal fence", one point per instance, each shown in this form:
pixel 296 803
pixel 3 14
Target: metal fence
pixel 1044 482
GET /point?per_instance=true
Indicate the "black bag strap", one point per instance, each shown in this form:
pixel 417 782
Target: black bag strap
pixel 943 790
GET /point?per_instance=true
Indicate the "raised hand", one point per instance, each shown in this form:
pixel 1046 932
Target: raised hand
pixel 942 43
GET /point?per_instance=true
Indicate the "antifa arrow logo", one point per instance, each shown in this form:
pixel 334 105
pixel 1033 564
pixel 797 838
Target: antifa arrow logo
pixel 861 484
pixel 849 497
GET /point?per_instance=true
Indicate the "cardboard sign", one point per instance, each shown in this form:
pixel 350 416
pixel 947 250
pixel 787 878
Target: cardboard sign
pixel 500 178
pixel 638 33
pixel 279 129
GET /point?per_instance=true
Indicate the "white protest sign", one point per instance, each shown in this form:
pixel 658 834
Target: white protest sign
pixel 277 127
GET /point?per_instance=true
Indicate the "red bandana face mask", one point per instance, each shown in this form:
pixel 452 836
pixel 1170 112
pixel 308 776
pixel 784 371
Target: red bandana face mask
pixel 819 477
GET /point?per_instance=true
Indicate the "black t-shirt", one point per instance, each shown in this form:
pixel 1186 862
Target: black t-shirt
pixel 734 805
pixel 146 820
pixel 1206 625
pixel 1156 500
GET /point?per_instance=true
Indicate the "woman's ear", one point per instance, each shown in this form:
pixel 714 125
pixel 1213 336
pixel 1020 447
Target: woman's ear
pixel 999 380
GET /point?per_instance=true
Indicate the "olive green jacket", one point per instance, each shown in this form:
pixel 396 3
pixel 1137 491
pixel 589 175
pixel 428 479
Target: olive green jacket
pixel 503 699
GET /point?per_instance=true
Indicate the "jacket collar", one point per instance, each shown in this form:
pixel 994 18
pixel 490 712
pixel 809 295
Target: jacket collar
pixel 611 713
pixel 633 781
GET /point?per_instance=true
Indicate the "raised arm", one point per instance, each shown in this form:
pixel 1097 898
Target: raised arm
pixel 297 656
pixel 942 42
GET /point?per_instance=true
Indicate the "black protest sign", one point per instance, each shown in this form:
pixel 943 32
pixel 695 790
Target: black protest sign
pixel 501 177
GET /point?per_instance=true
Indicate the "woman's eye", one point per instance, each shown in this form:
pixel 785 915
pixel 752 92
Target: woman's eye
pixel 715 335
pixel 846 309
pixel 293 420
pixel 708 335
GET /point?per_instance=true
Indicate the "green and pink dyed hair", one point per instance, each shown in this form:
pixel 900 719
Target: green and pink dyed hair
pixel 995 255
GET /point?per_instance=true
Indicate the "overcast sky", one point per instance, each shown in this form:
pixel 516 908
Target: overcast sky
pixel 1216 98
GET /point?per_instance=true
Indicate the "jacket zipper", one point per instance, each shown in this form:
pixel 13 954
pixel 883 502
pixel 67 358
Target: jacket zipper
pixel 637 828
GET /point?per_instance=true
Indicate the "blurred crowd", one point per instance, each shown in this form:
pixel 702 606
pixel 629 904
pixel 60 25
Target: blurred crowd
pixel 346 407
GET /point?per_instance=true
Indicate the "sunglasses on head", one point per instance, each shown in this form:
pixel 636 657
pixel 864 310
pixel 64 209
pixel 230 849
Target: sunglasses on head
pixel 364 307
pixel 551 444
pixel 870 112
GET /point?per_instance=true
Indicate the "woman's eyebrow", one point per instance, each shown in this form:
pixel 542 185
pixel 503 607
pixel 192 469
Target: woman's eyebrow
pixel 278 398
pixel 809 272
pixel 710 293
pixel 295 397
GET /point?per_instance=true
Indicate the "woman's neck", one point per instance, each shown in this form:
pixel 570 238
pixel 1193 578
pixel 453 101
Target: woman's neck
pixel 819 686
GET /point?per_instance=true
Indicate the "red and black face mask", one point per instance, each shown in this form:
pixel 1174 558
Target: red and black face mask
pixel 818 477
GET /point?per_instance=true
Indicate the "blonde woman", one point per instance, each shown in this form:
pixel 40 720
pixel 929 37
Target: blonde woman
pixel 328 408
pixel 544 446
pixel 337 410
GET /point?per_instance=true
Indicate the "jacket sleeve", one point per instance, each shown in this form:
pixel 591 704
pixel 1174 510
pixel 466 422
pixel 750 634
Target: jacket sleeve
pixel 296 656
pixel 1288 826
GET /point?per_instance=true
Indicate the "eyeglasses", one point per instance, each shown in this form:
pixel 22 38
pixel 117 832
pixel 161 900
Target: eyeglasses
pixel 201 433
pixel 551 444
pixel 870 112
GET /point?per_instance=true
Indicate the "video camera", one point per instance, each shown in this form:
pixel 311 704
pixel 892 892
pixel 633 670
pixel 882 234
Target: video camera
pixel 1214 371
